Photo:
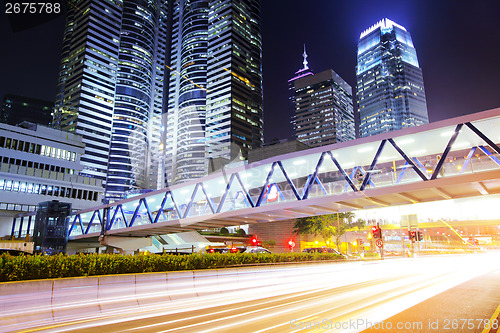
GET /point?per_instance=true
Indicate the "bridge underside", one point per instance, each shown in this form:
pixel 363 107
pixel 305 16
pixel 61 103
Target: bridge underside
pixel 453 187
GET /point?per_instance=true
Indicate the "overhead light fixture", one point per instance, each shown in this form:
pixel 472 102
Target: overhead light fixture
pixel 447 133
pixel 405 142
pixel 365 149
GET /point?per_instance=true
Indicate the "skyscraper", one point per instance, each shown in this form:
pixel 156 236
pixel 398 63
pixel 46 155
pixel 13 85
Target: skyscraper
pixel 16 109
pixel 390 86
pixel 324 111
pixel 304 71
pixel 111 87
pixel 215 93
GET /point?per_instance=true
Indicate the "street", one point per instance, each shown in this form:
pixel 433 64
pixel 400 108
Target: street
pixel 409 295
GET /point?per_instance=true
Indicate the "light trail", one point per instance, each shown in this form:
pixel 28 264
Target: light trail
pixel 276 299
pixel 452 229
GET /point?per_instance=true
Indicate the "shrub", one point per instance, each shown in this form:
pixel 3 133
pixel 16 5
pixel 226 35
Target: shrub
pixel 17 268
pixel 223 231
pixel 241 233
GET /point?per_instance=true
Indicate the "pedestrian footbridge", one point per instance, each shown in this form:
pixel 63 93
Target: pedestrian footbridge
pixel 454 158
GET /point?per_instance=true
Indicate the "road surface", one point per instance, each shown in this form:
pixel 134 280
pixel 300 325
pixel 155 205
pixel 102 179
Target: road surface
pixel 336 297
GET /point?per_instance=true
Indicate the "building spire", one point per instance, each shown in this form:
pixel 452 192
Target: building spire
pixel 305 58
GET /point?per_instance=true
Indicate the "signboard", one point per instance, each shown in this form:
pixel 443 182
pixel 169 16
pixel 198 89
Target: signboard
pixel 272 192
pixel 379 242
pixel 410 220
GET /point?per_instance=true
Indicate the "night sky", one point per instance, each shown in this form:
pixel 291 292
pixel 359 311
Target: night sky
pixel 457 43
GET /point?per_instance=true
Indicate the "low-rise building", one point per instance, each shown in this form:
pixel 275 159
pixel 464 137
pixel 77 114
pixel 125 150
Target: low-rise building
pixel 37 164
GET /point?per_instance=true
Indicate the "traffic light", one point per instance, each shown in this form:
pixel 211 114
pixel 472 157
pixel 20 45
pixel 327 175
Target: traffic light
pixel 412 235
pixel 255 242
pixel 419 235
pixel 376 232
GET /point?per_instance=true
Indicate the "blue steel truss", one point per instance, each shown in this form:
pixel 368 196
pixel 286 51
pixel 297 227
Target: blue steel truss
pixel 248 187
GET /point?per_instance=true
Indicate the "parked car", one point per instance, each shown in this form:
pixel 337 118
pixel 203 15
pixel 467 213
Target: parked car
pixel 321 250
pixel 256 249
pixel 239 249
pixel 218 250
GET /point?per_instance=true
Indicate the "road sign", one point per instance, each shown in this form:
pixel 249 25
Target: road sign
pixel 379 242
pixel 410 220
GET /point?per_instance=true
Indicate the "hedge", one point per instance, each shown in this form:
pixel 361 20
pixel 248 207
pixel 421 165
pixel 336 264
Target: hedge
pixel 27 267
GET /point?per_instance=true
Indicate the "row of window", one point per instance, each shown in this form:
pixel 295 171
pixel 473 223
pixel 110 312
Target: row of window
pixel 30 147
pixel 56 191
pixel 18 207
pixel 36 165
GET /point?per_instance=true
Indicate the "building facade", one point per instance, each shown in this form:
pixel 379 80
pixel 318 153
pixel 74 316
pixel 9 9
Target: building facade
pixel 303 72
pixel 390 86
pixel 274 148
pixel 38 163
pixel 110 89
pixel 324 111
pixel 16 109
pixel 215 93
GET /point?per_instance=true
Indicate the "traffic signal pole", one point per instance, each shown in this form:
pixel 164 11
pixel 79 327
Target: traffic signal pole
pixel 379 241
pixel 382 239
pixel 403 240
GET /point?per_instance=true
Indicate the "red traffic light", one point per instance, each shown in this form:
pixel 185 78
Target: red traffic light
pixel 376 232
pixel 255 242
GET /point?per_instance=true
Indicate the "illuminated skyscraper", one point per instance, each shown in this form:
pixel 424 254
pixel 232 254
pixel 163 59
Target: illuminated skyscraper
pixel 185 131
pixel 390 86
pixel 111 87
pixel 324 112
pixel 303 72
pixel 215 94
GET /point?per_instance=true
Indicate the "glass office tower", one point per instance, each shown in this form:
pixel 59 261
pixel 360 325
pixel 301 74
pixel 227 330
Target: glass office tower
pixel 135 154
pixel 111 87
pixel 390 86
pixel 303 72
pixel 215 111
pixel 185 130
pixel 324 113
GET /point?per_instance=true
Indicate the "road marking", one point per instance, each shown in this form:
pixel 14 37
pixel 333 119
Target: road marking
pixel 494 317
pixel 308 319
